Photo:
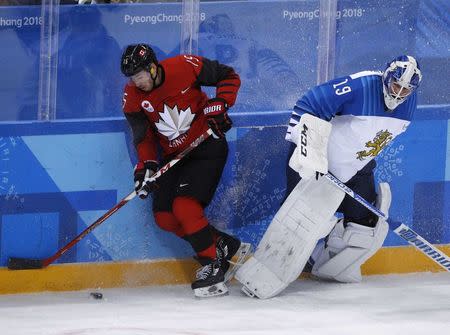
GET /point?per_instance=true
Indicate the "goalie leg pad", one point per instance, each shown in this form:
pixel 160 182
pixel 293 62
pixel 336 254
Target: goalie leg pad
pixel 306 216
pixel 349 247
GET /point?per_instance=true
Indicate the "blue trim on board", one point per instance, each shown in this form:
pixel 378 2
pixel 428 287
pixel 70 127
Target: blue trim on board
pixel 108 125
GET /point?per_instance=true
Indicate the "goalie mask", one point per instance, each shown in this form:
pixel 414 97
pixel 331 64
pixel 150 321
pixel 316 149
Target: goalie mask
pixel 400 79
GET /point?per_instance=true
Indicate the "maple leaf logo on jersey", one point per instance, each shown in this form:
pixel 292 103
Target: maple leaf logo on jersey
pixel 173 123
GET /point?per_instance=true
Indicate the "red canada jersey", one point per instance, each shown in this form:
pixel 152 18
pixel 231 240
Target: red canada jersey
pixel 171 114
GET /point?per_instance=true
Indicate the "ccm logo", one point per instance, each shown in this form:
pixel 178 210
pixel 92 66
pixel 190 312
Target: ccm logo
pixel 303 141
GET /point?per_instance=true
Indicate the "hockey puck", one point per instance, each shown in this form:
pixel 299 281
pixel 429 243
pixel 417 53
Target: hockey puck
pixel 96 295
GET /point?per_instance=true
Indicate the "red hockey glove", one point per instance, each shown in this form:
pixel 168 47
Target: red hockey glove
pixel 218 119
pixel 142 183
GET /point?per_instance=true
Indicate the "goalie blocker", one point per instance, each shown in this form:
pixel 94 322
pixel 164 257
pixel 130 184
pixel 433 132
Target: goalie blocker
pixel 310 156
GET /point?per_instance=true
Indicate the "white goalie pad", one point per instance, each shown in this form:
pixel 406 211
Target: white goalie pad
pixel 349 247
pixel 306 216
pixel 311 154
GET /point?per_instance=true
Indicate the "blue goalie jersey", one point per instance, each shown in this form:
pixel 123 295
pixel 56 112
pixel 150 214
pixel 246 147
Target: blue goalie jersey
pixel 362 126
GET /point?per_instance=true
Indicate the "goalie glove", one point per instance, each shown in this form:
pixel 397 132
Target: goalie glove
pixel 310 157
pixel 217 117
pixel 143 184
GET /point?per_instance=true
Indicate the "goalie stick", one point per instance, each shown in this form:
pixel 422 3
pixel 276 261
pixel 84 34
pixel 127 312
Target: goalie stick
pixel 398 228
pixel 17 263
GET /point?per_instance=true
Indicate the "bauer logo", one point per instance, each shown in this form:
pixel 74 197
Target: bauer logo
pixel 413 238
pixel 147 106
pixel 212 109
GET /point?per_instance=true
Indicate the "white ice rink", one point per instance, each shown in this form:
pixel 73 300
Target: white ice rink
pixel 382 305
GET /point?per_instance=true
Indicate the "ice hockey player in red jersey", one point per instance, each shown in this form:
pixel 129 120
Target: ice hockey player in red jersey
pixel 167 109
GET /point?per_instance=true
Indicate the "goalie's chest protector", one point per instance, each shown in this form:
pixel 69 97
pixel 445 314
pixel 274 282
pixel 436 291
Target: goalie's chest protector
pixel 356 140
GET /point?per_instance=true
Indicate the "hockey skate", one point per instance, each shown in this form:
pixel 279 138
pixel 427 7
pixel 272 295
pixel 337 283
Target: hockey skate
pixel 209 279
pixel 227 248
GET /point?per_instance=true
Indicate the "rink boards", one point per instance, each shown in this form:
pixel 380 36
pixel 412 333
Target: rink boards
pixel 57 178
pixel 72 277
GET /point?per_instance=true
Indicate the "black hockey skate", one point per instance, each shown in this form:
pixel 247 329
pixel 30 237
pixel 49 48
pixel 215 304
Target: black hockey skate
pixel 209 279
pixel 228 247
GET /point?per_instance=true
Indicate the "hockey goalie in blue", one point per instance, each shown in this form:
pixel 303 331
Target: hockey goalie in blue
pixel 338 127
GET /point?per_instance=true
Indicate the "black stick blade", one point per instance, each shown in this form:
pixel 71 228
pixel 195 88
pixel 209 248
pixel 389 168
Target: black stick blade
pixel 15 263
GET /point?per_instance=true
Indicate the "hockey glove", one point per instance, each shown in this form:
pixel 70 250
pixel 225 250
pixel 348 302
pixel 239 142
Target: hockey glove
pixel 310 157
pixel 217 116
pixel 143 185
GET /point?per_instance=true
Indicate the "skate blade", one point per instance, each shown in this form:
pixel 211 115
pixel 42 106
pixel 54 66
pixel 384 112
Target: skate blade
pixel 211 291
pixel 240 256
pixel 248 292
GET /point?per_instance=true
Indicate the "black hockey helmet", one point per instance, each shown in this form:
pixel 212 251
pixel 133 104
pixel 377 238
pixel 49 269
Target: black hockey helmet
pixel 137 57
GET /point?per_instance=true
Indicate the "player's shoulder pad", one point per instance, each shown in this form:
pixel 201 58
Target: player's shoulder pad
pixel 364 79
pixel 354 82
pixel 183 60
pixel 365 74
pixel 181 65
pixel 171 60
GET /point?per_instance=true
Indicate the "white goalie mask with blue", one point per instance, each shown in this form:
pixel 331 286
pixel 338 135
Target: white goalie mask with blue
pixel 400 79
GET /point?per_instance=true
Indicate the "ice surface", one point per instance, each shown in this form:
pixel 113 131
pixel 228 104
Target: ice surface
pixel 401 304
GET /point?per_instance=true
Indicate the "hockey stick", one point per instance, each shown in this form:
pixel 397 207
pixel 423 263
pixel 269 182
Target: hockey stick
pixel 398 228
pixel 16 263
